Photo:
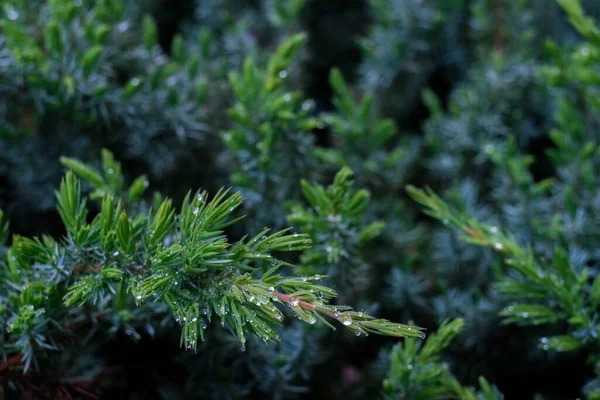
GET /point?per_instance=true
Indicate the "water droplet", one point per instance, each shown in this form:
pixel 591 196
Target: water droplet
pixel 139 297
pixel 357 332
pixel 329 249
pixel 347 321
pixel 498 245
pixel 196 211
pixel 494 229
pixel 12 14
pixel 304 278
pixel 271 289
pixel 409 366
pixel 306 106
pixel 544 340
pixel 319 295
pixel 294 301
pixel 200 198
pixel 283 74
pixel 337 314
pixel 116 253
pixel 123 26
pixel 135 82
pixel 242 348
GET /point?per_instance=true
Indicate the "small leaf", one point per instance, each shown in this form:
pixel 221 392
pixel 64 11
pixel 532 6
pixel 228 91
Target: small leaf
pixel 124 233
pixel 150 32
pixel 90 59
pixel 137 188
pixel 370 232
pixel 561 343
pixel 84 171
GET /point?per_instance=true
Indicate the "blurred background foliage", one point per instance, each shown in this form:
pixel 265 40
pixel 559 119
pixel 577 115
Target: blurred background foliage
pixel 491 103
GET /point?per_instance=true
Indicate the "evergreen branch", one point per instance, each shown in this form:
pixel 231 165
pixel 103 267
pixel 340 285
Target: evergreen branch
pixel 334 222
pixel 541 293
pixel 416 371
pixel 182 260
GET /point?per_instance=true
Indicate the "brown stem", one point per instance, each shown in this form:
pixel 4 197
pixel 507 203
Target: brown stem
pixel 473 233
pixel 499 38
pixel 14 360
pixel 286 298
pixel 86 268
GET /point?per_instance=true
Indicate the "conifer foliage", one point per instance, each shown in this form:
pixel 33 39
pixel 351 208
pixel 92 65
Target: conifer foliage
pixel 180 261
pixel 281 277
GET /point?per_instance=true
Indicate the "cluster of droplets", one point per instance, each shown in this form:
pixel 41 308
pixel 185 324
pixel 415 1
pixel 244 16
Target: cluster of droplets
pixel 10 322
pixel 497 244
pixel 299 246
pixel 523 314
pixel 334 218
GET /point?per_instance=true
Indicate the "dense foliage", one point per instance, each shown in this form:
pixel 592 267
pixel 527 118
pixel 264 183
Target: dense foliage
pixel 332 123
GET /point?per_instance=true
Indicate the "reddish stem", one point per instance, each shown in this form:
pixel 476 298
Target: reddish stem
pixel 86 268
pixel 14 360
pixel 286 298
pixel 499 38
